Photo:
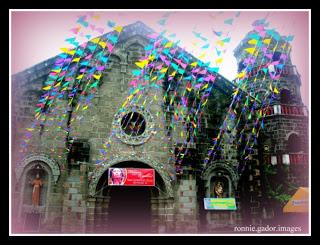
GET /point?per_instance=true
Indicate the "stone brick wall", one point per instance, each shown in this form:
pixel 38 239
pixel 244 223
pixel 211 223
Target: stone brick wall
pixel 186 206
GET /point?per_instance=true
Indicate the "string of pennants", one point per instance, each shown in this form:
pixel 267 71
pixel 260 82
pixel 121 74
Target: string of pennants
pixel 78 71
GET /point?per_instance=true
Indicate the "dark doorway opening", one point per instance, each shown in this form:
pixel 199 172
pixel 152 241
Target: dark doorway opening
pixel 130 209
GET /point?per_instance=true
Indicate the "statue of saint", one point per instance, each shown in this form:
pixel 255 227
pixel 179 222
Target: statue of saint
pixel 218 189
pixel 37 184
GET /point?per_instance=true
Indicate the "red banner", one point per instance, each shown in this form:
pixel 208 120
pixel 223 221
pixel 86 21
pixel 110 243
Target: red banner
pixel 131 176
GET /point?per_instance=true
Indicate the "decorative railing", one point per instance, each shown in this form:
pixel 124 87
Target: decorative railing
pixel 286 110
pixel 286 71
pixel 287 159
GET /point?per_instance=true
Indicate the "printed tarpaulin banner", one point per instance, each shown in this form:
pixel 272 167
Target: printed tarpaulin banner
pixel 131 176
pixel 299 202
pixel 220 204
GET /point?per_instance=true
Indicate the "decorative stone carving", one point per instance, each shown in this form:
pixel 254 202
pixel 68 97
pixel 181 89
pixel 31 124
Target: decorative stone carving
pixel 39 157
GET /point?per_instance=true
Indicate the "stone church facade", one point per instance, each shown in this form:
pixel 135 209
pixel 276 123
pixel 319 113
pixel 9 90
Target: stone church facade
pixel 75 197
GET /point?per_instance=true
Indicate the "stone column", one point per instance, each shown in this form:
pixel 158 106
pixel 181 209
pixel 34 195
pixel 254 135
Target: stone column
pixel 169 215
pixel 97 215
pixel 91 202
pixel 104 214
pixel 154 214
pixel 186 206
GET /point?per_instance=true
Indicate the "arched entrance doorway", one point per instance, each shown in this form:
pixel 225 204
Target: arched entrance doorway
pixel 126 209
pixel 130 209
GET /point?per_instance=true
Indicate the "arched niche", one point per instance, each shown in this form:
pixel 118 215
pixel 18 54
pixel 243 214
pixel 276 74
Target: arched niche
pixel 114 61
pixel 285 96
pixel 52 165
pixel 223 173
pixel 27 102
pixel 294 144
pixel 134 48
pixel 31 216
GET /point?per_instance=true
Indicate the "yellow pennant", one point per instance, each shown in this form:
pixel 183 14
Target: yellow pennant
pixel 67 51
pixel 76 60
pixel 103 44
pixel 95 40
pixel 163 70
pixel 250 50
pixel 80 76
pixel 118 28
pixel 142 63
pixel 219 60
pixel 58 70
pixel 97 76
pixel 220 42
pixel 173 74
pixel 267 41
pixel 241 75
pixel 253 41
pixel 168 45
pixel 193 64
pixel 85 108
pixel 205 86
pixel 124 104
pixel 46 88
pixel 202 55
pixel 151 57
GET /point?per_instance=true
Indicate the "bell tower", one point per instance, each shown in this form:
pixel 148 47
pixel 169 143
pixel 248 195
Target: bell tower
pixel 281 160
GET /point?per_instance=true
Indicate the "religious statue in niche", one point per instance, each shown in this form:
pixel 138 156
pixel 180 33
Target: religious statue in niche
pixel 218 189
pixel 37 184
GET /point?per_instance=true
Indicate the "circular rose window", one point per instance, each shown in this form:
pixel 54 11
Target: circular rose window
pixel 133 125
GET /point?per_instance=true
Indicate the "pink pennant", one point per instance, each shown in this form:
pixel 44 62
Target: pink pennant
pixel 133 83
pixel 153 35
pixel 210 78
pixel 75 30
pixel 88 57
pixel 110 47
pixel 100 30
pixel 159 67
pixel 203 72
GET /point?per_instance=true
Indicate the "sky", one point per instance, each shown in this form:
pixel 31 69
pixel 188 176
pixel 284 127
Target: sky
pixel 39 35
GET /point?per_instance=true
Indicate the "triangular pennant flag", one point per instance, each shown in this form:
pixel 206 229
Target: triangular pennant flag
pixel 250 50
pixel 118 28
pixel 229 21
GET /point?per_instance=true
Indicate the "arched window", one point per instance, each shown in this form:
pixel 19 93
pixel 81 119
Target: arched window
pixel 114 61
pixel 135 52
pixel 294 144
pixel 28 102
pixel 285 96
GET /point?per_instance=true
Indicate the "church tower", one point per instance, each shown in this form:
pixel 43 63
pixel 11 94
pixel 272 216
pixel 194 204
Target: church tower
pixel 280 162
